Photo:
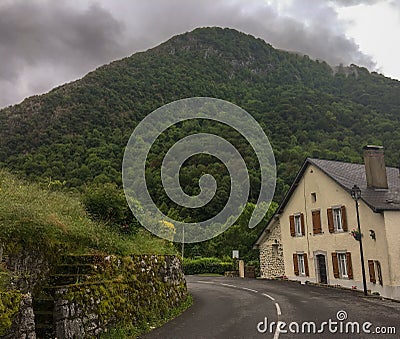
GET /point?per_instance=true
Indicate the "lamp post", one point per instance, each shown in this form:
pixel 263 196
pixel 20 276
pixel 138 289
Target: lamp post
pixel 183 242
pixel 356 195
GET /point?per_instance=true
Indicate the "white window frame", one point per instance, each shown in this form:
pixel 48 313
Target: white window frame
pixel 297 225
pixel 301 264
pixel 337 218
pixel 342 263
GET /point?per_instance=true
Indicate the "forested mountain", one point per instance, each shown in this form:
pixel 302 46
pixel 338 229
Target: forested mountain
pixel 76 133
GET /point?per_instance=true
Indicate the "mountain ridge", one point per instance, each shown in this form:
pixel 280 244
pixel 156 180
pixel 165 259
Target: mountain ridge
pixel 77 131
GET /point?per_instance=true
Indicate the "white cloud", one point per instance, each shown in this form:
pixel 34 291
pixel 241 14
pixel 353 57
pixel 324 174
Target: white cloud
pixel 375 28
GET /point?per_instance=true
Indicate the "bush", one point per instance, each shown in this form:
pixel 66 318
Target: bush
pixel 107 203
pixel 9 306
pixel 206 265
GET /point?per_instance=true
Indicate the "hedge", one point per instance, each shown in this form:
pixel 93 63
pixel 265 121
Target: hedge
pixel 206 265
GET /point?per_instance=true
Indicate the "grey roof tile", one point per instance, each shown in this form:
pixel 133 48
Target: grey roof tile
pixel 348 174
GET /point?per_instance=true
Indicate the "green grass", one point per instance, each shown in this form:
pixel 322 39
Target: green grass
pixel 55 222
pixel 210 275
pixel 134 331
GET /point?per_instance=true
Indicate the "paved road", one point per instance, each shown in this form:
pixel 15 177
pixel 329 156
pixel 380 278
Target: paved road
pixel 233 308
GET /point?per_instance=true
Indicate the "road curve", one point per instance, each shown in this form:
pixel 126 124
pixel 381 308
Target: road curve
pixel 238 308
pixel 220 310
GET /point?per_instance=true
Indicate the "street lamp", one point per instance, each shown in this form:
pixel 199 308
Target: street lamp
pixel 356 195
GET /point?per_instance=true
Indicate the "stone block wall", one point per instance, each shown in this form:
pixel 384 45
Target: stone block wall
pixel 130 289
pixel 86 295
pixel 271 253
pixel 23 323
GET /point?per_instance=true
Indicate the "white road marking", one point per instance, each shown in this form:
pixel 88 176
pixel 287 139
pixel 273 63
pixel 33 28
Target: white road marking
pixel 229 285
pixel 268 296
pixel 278 309
pixel 249 289
pixel 279 313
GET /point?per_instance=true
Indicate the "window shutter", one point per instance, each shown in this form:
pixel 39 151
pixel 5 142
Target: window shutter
pixel 303 228
pixel 292 230
pixel 335 265
pixel 330 220
pixel 295 264
pixel 306 265
pixel 344 219
pixel 349 265
pixel 371 267
pixel 316 219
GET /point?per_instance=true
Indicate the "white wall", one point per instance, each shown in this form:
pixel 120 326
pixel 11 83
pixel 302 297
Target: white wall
pixel 329 194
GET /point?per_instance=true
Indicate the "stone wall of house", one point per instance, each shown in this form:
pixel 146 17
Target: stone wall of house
pixel 271 253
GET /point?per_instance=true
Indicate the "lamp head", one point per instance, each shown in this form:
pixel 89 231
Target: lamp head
pixel 356 192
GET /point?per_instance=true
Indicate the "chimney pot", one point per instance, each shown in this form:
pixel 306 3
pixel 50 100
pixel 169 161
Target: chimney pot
pixel 375 169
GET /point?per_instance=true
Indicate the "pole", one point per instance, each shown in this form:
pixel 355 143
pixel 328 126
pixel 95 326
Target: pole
pixel 361 251
pixel 183 241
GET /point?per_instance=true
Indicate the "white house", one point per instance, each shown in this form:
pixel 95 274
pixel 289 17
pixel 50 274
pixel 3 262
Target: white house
pixel 309 237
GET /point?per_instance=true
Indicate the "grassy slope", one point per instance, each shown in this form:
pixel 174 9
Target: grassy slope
pixel 34 217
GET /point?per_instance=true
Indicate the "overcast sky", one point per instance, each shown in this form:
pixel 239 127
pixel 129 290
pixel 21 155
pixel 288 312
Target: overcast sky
pixel 45 43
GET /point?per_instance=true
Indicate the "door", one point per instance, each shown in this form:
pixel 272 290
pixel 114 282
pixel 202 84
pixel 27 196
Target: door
pixel 321 264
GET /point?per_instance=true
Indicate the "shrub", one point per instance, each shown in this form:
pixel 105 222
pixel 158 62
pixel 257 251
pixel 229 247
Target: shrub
pixel 206 265
pixel 9 306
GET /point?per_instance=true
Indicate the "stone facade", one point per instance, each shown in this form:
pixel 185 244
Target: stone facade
pixel 271 253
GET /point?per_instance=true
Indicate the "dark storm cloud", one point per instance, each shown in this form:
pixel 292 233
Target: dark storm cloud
pixel 309 27
pixel 35 36
pixel 46 43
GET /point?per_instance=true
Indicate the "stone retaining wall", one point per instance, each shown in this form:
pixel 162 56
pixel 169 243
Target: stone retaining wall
pixel 23 325
pixel 85 295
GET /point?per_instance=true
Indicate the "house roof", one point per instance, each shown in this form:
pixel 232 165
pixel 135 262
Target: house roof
pixel 347 175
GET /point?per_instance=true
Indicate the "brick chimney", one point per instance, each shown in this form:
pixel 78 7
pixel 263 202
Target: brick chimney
pixel 375 169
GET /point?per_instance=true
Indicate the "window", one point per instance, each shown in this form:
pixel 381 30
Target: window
pixel 342 267
pixel 337 219
pixel 302 269
pixel 379 270
pixel 300 264
pixel 297 225
pixel 313 197
pixel 275 250
pixel 297 228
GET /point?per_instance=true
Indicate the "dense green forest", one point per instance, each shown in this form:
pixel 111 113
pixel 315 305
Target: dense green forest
pixel 74 136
